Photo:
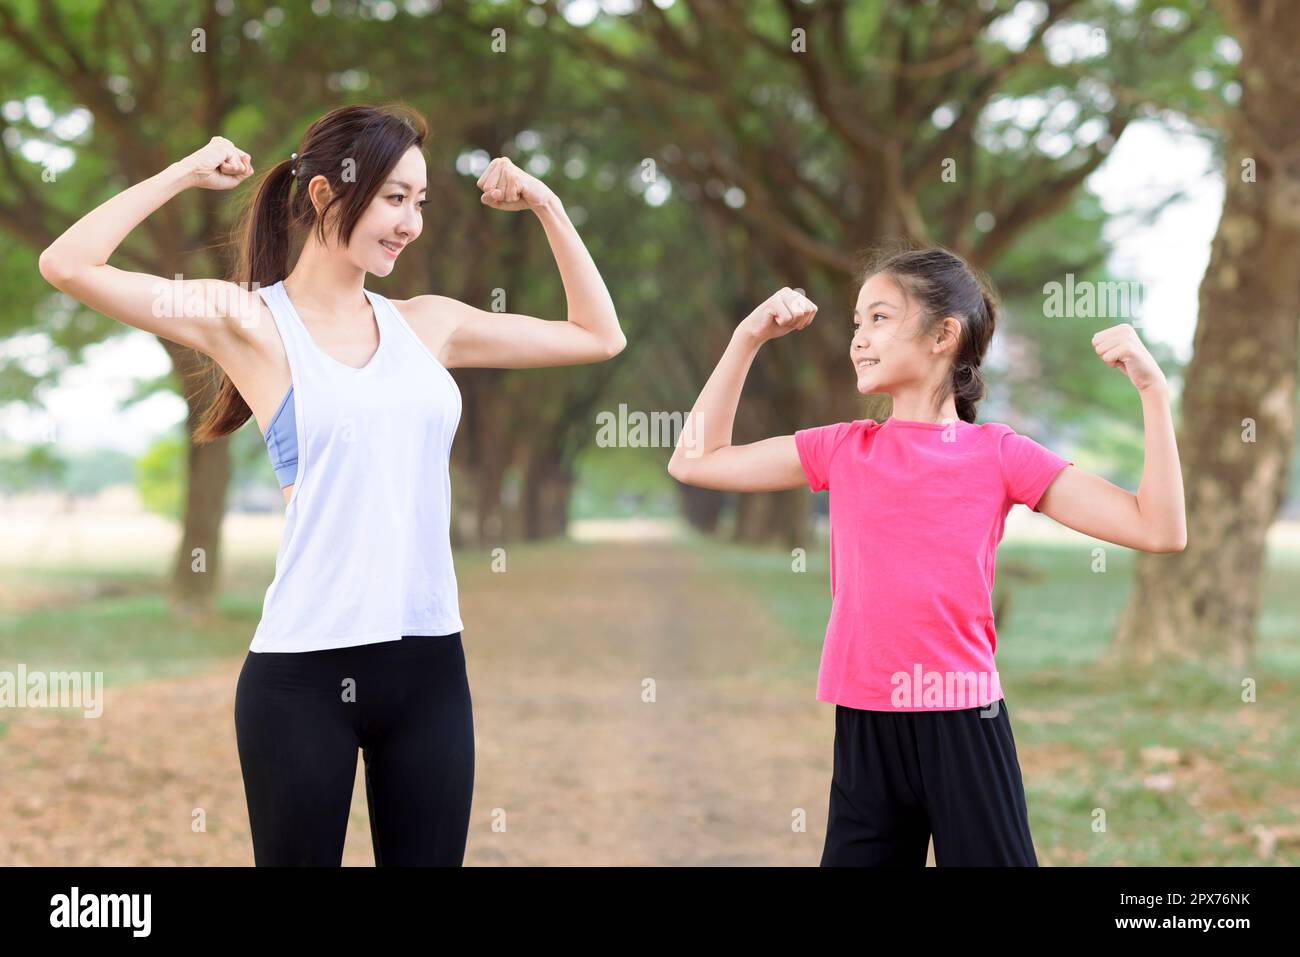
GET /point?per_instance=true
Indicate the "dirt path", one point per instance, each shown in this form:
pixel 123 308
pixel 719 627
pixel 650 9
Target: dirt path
pixel 713 771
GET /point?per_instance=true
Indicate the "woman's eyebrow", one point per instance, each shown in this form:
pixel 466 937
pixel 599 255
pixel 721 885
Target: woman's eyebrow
pixel 398 182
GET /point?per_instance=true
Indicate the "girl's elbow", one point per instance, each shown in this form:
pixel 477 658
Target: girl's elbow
pixel 685 467
pixel 677 469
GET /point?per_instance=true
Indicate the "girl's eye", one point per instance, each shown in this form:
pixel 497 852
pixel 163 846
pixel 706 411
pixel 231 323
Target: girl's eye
pixel 857 323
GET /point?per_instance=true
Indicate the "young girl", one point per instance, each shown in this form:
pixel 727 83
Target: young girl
pixel 918 504
pixel 359 643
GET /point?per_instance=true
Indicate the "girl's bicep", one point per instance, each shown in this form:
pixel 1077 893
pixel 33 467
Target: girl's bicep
pixel 769 465
pixel 1094 506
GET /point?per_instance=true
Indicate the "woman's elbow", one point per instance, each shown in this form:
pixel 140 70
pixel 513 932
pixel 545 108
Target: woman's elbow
pixel 52 269
pixel 615 345
pixel 1164 546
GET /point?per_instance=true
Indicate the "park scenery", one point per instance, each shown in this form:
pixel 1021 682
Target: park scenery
pixel 643 653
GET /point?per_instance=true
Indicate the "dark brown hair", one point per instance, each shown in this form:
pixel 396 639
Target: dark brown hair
pixel 943 284
pixel 354 148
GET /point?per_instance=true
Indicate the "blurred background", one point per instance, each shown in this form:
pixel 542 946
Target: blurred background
pixel 708 153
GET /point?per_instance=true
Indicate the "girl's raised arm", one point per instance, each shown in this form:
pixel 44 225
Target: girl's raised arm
pixel 1155 519
pixel 202 314
pixel 704 455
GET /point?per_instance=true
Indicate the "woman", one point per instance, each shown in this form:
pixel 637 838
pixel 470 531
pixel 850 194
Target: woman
pixel 359 644
pixel 918 503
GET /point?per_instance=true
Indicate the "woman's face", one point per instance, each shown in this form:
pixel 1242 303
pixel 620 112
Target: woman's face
pixel 393 219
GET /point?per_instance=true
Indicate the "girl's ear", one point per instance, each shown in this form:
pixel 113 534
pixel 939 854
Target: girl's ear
pixel 949 335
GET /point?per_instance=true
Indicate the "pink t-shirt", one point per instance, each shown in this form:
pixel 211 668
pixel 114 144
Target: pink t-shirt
pixel 916 513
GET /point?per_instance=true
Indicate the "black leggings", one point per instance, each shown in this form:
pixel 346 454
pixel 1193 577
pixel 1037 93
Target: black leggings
pixel 300 718
pixel 902 775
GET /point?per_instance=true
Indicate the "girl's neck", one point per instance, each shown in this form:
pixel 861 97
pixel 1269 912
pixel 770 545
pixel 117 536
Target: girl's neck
pixel 915 412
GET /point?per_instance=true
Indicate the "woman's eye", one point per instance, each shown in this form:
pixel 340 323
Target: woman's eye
pixel 879 316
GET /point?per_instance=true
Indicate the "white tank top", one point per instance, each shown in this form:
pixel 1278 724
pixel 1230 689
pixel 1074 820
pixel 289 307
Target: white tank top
pixel 366 550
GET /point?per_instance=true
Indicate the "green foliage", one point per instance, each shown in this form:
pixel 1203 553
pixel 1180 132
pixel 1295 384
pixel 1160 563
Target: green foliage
pixel 159 474
pixel 640 126
pixel 620 483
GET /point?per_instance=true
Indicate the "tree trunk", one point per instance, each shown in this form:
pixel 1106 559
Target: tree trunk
pixel 197 563
pixel 548 484
pixel 701 507
pixel 1238 408
pixel 481 450
pixel 773 518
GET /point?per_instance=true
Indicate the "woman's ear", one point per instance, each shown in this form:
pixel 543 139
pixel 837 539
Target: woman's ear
pixel 319 192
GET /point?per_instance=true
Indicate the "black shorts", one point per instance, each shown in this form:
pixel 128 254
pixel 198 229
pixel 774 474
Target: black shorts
pixel 901 776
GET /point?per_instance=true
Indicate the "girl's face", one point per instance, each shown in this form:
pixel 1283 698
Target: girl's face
pixel 886 351
pixel 394 217
pixel 882 352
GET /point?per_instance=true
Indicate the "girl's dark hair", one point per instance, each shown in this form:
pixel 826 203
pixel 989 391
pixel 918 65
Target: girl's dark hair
pixel 354 148
pixel 943 284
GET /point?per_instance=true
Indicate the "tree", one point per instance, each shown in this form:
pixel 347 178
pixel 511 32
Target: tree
pixel 822 128
pixel 1236 439
pixel 152 87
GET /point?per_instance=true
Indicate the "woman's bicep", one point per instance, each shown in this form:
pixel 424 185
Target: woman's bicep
pixel 769 465
pixel 477 338
pixel 1094 506
pixel 201 314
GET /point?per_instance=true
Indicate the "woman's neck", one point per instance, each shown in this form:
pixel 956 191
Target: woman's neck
pixel 324 282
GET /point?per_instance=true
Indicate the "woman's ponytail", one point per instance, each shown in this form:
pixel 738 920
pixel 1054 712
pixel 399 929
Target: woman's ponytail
pixel 261 239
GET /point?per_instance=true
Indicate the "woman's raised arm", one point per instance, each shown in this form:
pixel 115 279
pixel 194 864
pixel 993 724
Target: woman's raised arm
pixel 476 337
pixel 202 314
